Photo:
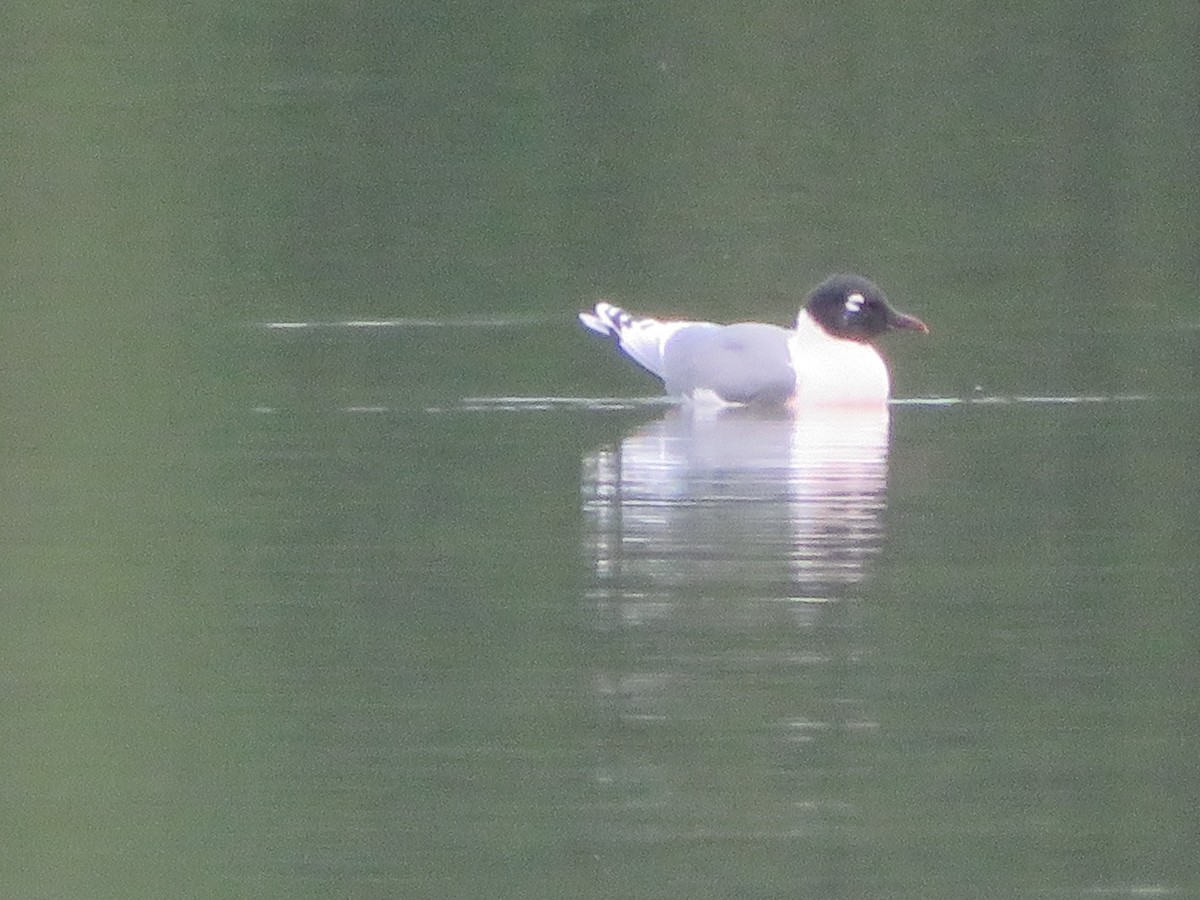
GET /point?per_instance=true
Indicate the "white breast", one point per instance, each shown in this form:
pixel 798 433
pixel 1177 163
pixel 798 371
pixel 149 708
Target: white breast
pixel 835 372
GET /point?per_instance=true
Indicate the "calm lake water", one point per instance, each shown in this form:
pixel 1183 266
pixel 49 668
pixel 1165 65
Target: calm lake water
pixel 340 562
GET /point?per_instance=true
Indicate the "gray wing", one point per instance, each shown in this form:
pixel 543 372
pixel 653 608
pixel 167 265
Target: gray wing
pixel 743 363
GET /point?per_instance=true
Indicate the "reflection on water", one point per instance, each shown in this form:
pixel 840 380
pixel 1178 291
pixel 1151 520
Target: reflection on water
pixel 789 505
pixel 727 554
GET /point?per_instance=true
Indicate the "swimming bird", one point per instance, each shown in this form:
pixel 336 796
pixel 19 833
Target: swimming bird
pixel 826 360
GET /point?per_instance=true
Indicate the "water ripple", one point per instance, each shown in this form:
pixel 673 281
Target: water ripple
pixel 625 404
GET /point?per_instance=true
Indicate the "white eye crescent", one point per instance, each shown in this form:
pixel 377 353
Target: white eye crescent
pixel 854 302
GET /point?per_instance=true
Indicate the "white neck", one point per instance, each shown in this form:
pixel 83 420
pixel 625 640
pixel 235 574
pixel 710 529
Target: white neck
pixel 833 371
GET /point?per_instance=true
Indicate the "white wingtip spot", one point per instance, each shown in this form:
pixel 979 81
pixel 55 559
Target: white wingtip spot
pixel 593 323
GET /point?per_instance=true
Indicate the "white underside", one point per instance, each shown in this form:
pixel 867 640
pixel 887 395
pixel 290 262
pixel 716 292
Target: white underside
pixel 704 400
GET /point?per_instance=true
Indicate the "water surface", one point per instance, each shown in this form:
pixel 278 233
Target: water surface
pixel 338 561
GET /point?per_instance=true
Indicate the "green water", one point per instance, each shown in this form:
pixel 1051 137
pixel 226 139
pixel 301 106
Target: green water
pixel 338 609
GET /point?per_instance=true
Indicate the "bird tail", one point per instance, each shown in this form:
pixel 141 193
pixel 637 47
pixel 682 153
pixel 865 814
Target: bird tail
pixel 641 338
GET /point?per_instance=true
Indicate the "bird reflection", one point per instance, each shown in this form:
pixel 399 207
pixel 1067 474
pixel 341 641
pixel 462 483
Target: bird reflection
pixel 789 505
pixel 727 553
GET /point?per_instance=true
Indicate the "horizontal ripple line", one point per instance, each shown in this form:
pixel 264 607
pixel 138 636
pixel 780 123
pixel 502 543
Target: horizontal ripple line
pixel 412 322
pixel 547 403
pixel 1000 400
